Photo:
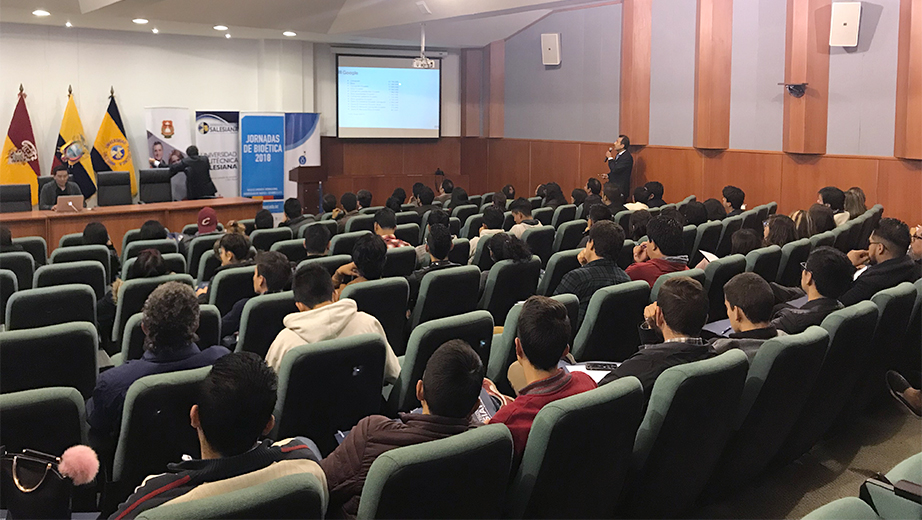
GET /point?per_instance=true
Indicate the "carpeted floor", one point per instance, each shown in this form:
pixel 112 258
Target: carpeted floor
pixel 834 469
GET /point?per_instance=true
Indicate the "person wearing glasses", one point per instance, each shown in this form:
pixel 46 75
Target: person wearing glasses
pixel 827 274
pixel 887 261
pixel 915 245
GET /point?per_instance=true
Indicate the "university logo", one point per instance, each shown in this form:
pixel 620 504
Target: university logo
pixel 302 160
pixel 24 154
pixel 203 127
pixel 117 153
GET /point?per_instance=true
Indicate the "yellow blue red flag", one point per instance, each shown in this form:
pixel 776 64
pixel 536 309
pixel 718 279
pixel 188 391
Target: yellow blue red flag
pixel 110 151
pixel 72 150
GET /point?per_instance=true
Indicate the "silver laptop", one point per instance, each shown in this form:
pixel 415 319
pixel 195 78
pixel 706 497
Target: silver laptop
pixel 69 203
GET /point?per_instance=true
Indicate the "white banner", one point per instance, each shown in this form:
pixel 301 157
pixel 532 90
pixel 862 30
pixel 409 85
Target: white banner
pixel 302 148
pixel 169 133
pixel 218 137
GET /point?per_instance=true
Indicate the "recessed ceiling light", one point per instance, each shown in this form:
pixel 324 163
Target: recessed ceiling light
pixel 220 27
pixel 68 24
pixel 140 21
pixel 227 36
pixel 289 33
pixel 155 30
pixel 41 12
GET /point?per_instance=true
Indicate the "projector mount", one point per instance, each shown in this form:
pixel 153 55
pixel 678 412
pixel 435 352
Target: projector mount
pixel 423 62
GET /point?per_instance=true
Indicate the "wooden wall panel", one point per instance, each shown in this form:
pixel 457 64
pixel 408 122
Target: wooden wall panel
pixel 553 161
pixel 758 174
pixel 422 158
pixel 592 162
pixel 806 60
pixel 899 189
pixel 474 164
pixel 802 176
pixel 471 83
pixel 908 138
pixel 509 163
pixel 679 169
pixel 372 158
pixel 636 34
pixel 494 57
pixel 712 74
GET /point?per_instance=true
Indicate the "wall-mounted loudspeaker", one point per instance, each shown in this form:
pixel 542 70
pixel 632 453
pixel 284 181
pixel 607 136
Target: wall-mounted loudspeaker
pixel 843 30
pixel 550 49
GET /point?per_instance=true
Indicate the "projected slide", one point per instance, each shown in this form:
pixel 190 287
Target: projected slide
pixel 386 97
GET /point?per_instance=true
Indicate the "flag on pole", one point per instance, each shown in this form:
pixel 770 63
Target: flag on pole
pixel 110 151
pixel 19 160
pixel 73 151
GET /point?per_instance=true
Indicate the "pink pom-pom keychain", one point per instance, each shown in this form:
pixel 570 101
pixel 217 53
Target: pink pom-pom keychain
pixel 80 464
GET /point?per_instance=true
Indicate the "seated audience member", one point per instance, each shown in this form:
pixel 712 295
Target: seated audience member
pixel 854 205
pixel 294 218
pixel 385 226
pixel 743 241
pixel 95 233
pixel 329 203
pixel 235 227
pixel 320 319
pixel 400 194
pixel 915 248
pixel 834 199
pixel 827 275
pixel 448 391
pixel 438 245
pixel 521 212
pixel 445 190
pixel 425 201
pixel 715 209
pixel 903 392
pixel 543 338
pixel 541 191
pixel 363 198
pixel 594 186
pixel 509 191
pixel 492 224
pixel 591 200
pixel 458 198
pixel 234 251
pixel 673 213
pixel 638 222
pixel 152 230
pixel 232 414
pixel 272 274
pixel 640 199
pixel 264 220
pixel 749 301
pixel 316 241
pixel 553 196
pixel 779 230
pixel 578 196
pixel 499 201
pixel 679 313
pixel 695 213
pixel 436 216
pixel 801 223
pixel 597 213
pixel 820 219
pixel 887 261
pixel 206 224
pixel 504 246
pixel 60 186
pixel 599 268
pixel 661 253
pixel 171 317
pixel 148 264
pixel 350 203
pixel 733 198
pixel 611 197
pixel 656 191
pixel 416 190
pixel 393 204
pixel 7 245
pixel 368 257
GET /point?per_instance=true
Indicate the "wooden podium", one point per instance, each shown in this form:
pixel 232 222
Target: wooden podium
pixel 310 181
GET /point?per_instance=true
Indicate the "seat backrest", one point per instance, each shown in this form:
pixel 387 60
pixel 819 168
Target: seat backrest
pixel 230 286
pixel 894 305
pixel 408 217
pixel 752 220
pixel 343 243
pixel 446 292
pixel 540 240
pixel 842 237
pixel 560 264
pixel 563 213
pixel 155 429
pixel 360 223
pixel 535 203
pixel 71 239
pixel 56 355
pixel 623 219
pixel 691 411
pixel 408 232
pixel 292 249
pixel 386 300
pixel 8 285
pixel 49 420
pixel 132 235
pixel 15 197
pixel 131 297
pixel 154 185
pixel 331 226
pixel 31 308
pixel 86 272
pixel 607 419
pixel 208 264
pixel 543 215
pixel 78 253
pixel 792 255
pixel 35 246
pixel 778 383
pixel 716 274
pixel 471 227
pixel 696 274
pixel 730 225
pixel 262 239
pixel 197 247
pixel 330 263
pixel 460 251
pixel 626 255
pixel 508 221
pixel 609 329
pixel 463 212
pixel 164 245
pixel 261 321
pixel 482 258
pixel 114 188
pixel 707 240
pixel 476 200
pixel 401 261
pixel 822 239
pixel 476 328
pixel 569 234
pixel 22 265
pixel 449 477
pixel 509 282
pixel 294 495
pixel 208 332
pixel 689 236
pixel 348 372
pixel 764 262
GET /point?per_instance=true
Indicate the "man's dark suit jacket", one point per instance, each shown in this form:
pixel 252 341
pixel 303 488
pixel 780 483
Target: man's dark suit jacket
pixel 198 176
pixel 881 276
pixel 619 171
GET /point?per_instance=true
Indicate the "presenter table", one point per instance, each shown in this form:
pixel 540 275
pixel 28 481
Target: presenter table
pixel 119 219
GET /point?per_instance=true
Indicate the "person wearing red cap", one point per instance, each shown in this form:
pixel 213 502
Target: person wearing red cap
pixel 207 225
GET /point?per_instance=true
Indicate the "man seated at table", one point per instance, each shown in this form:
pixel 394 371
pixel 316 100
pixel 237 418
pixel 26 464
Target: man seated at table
pixel 48 197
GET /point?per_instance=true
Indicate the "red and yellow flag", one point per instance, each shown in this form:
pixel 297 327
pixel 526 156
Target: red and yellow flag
pixel 19 162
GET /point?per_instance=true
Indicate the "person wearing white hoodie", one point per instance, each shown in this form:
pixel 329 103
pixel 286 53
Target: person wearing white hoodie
pixel 321 319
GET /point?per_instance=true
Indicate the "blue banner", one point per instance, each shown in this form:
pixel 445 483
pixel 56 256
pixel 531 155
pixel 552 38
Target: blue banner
pixel 262 159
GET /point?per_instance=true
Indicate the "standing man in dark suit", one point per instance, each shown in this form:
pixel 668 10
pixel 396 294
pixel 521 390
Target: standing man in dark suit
pixel 620 164
pixel 198 174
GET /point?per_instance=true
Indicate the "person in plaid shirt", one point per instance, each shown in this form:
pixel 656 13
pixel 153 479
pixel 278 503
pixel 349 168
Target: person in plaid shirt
pixel 385 225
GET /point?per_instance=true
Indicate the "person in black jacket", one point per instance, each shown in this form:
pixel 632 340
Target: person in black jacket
pixel 620 163
pixel 889 265
pixel 198 174
pixel 95 233
pixel 271 275
pixel 826 277
pixel 438 244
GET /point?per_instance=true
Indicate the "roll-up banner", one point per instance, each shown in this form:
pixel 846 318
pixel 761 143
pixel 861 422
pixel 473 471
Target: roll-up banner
pixel 169 133
pixel 262 159
pixel 302 147
pixel 218 138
